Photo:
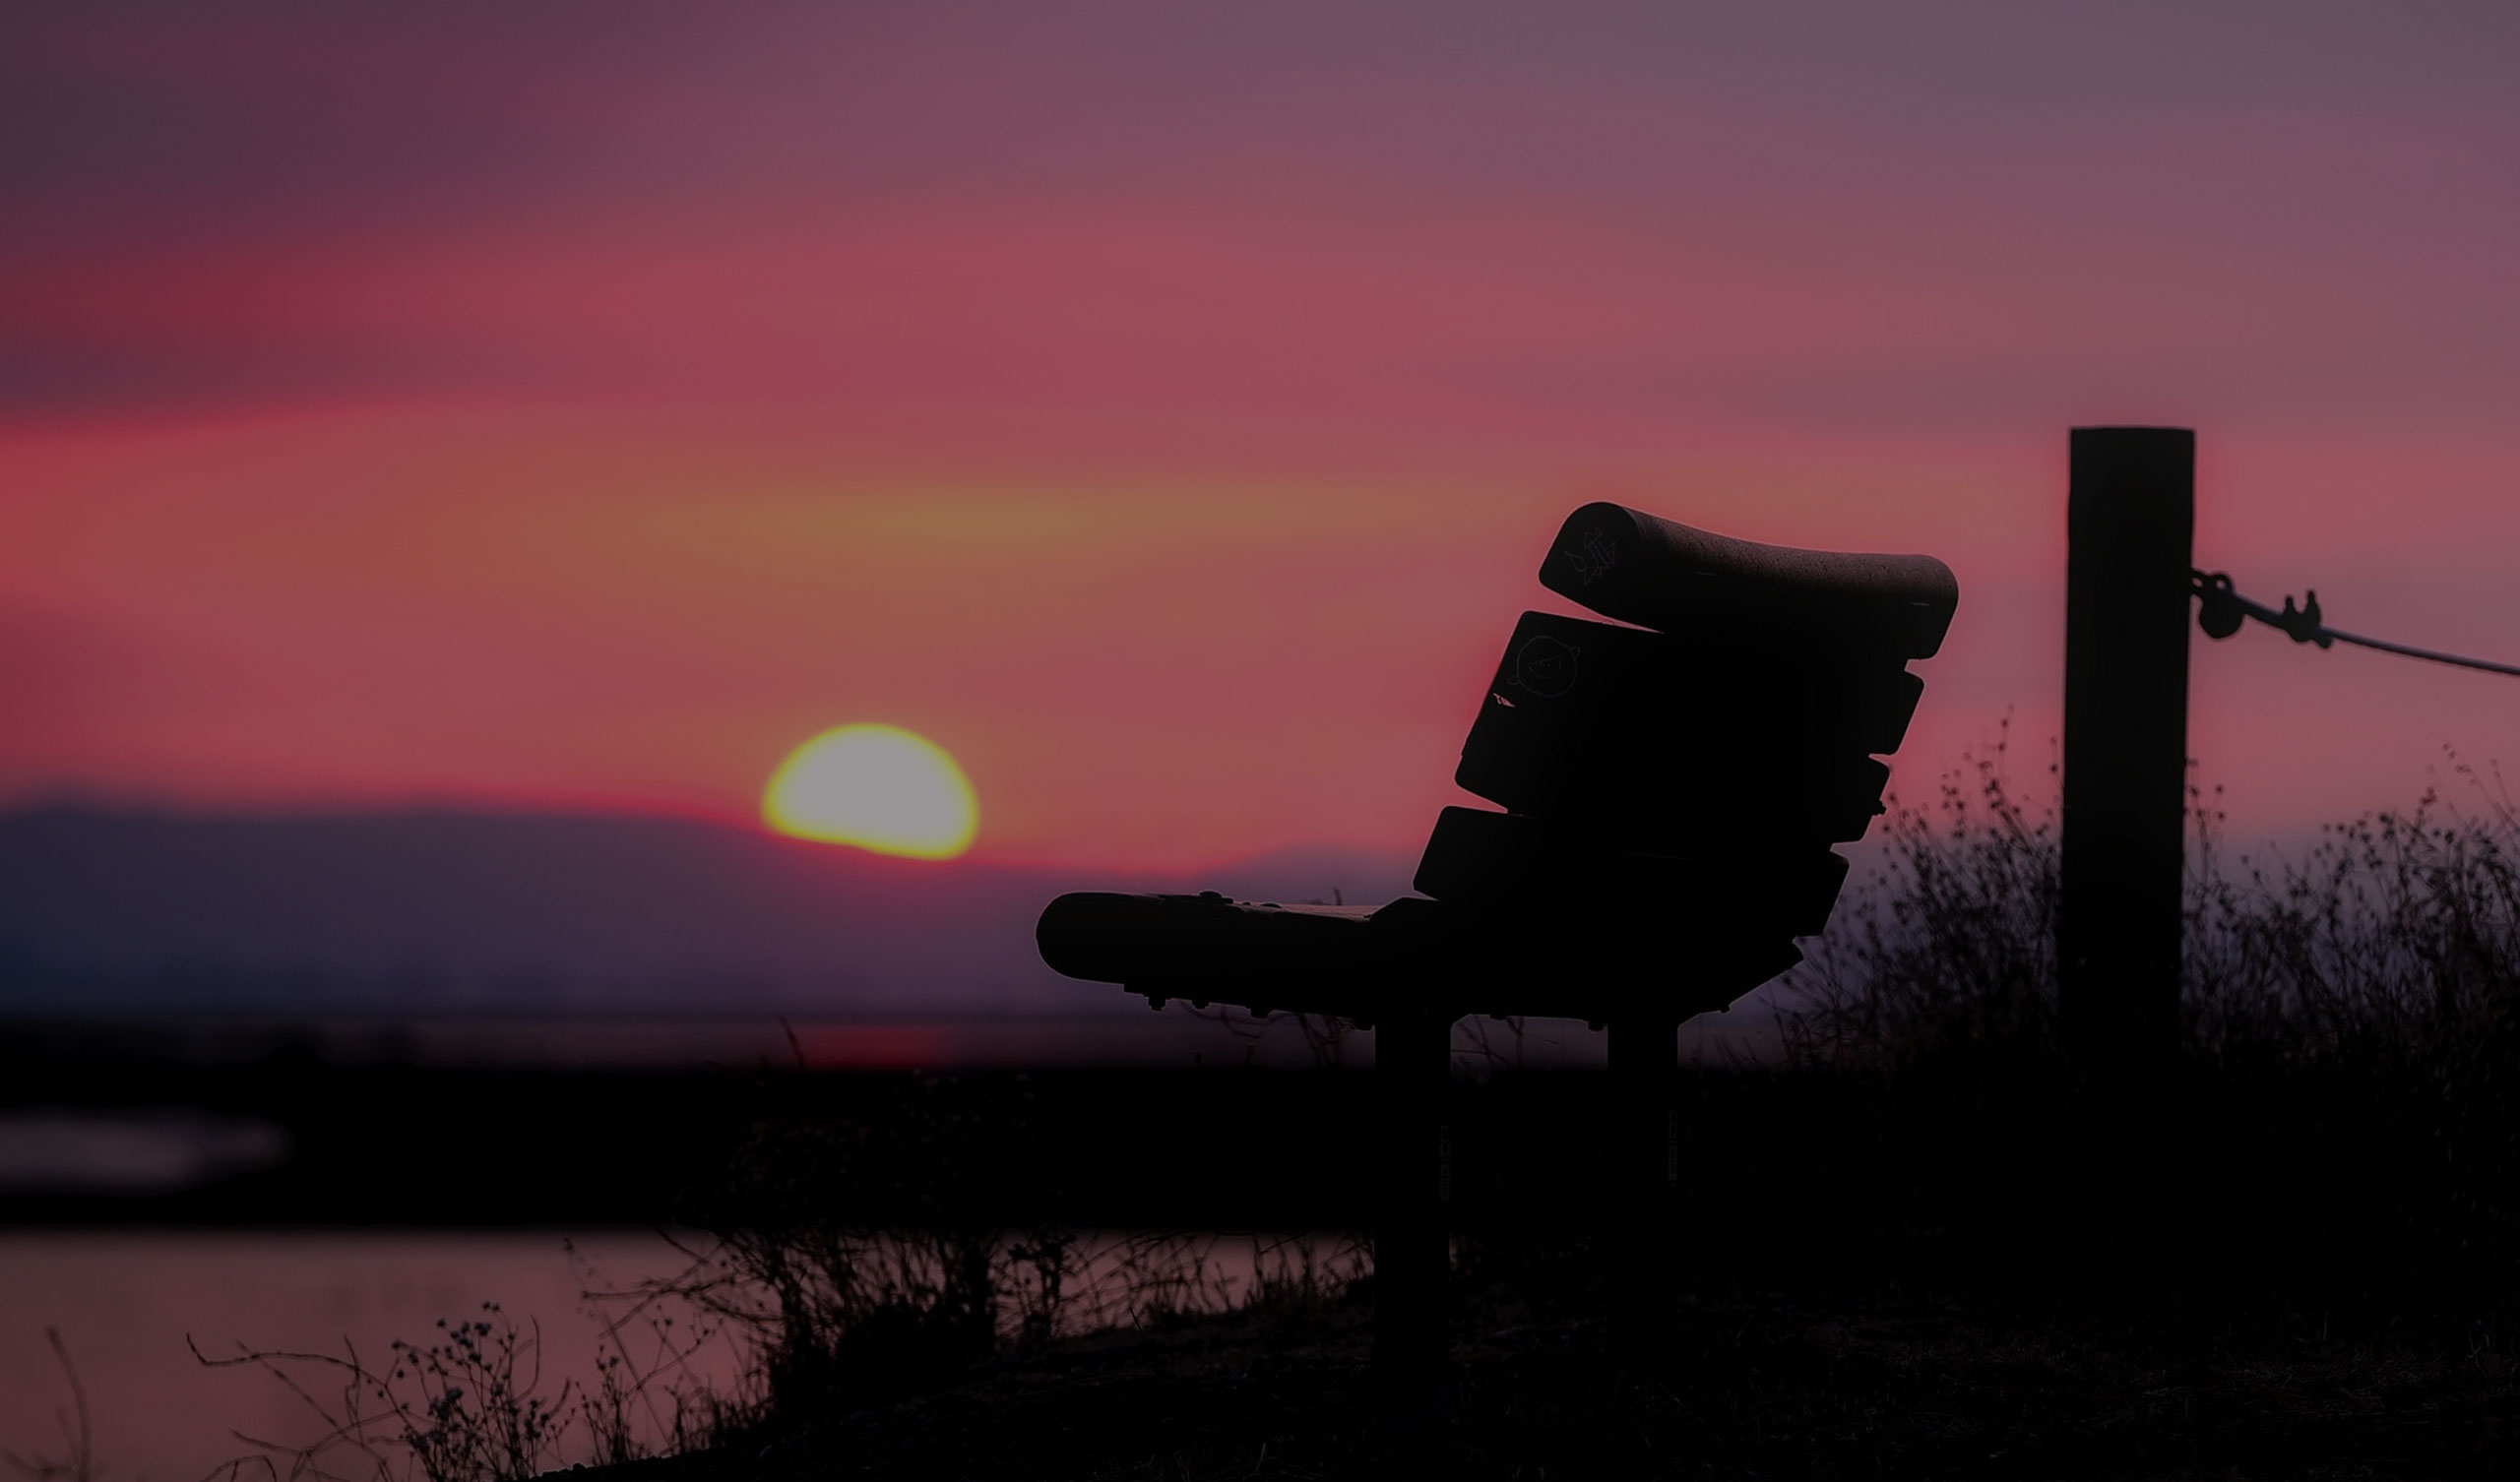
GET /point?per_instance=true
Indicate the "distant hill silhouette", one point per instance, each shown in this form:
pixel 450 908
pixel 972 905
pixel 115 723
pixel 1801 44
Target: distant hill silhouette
pixel 481 912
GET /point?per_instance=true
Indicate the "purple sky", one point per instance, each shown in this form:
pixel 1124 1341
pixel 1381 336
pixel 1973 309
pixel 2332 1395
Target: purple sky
pixel 583 404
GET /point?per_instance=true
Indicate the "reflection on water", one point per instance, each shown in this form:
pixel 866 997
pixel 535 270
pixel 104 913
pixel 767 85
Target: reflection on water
pixel 125 1303
pixel 153 1150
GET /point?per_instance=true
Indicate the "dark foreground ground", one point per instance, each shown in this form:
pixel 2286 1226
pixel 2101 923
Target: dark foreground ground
pixel 1981 1275
pixel 1759 1383
pixel 1968 1270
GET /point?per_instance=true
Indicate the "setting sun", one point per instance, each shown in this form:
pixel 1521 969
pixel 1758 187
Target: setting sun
pixel 878 787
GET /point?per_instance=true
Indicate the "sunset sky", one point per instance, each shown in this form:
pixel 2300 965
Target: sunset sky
pixel 1165 407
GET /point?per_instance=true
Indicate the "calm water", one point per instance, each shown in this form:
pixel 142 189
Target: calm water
pixel 124 1302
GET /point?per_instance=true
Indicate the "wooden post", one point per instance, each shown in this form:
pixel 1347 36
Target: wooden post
pixel 1644 1066
pixel 1413 1235
pixel 2130 517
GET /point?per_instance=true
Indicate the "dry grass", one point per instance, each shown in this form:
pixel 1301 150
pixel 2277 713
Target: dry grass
pixel 1918 1250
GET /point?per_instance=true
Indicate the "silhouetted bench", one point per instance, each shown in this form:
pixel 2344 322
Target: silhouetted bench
pixel 1672 784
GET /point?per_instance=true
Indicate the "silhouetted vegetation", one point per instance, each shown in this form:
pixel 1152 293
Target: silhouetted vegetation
pixel 77 1459
pixel 2336 1126
pixel 846 1263
pixel 1928 1243
pixel 473 1403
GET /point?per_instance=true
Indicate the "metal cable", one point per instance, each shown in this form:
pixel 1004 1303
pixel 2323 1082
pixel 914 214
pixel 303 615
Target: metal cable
pixel 2225 610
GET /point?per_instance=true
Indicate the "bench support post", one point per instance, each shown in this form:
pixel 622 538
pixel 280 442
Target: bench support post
pixel 1643 1283
pixel 1412 1239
